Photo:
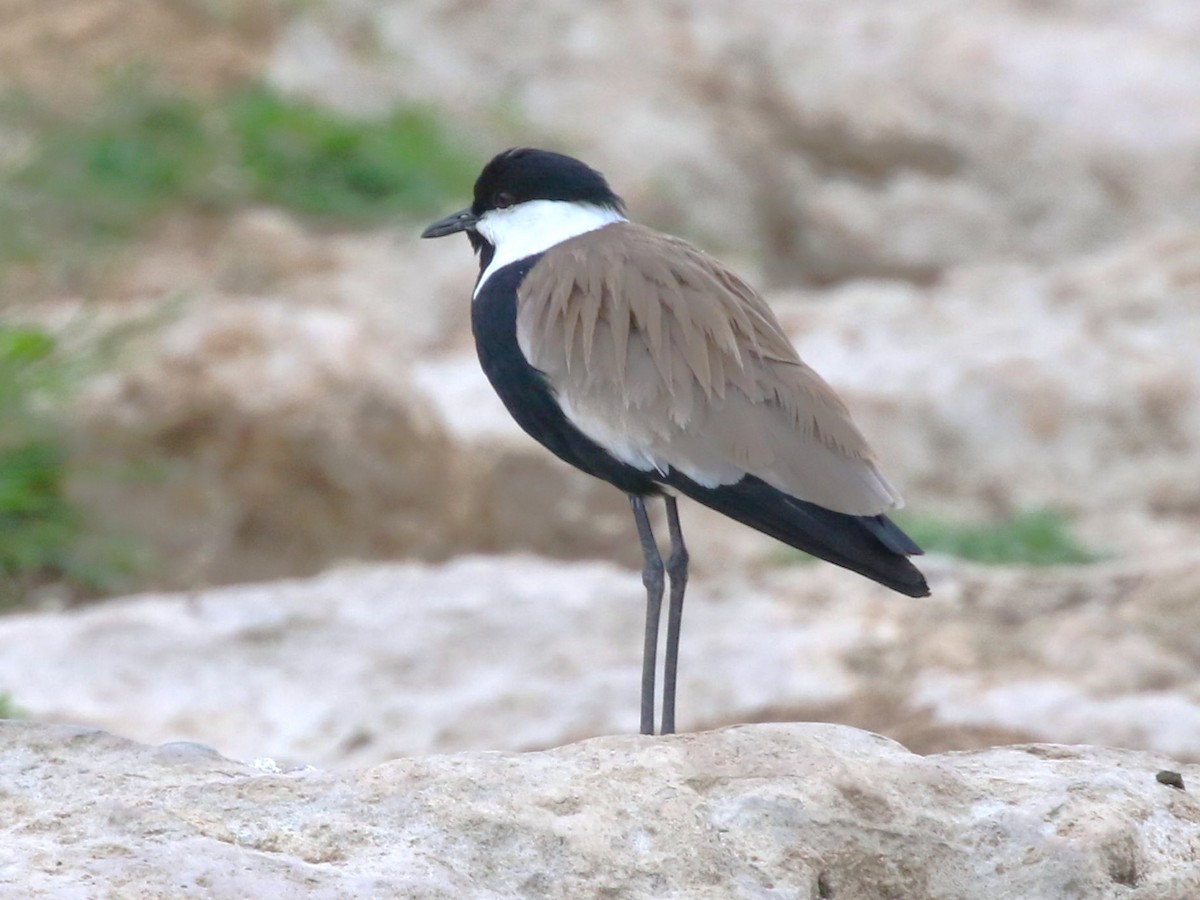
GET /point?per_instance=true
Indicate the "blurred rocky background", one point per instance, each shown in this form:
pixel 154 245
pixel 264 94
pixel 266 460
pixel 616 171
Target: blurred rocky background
pixel 226 360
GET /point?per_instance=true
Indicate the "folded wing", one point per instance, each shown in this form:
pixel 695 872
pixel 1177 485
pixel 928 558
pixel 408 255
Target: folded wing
pixel 672 363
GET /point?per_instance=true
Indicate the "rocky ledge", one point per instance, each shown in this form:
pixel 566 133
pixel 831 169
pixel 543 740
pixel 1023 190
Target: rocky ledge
pixel 800 810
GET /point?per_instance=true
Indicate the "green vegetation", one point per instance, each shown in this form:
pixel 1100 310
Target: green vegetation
pixel 76 186
pixel 314 162
pixel 82 183
pixel 1038 537
pixel 129 159
pixel 42 537
pixel 8 709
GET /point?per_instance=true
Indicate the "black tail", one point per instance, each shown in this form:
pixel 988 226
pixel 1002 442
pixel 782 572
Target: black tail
pixel 871 545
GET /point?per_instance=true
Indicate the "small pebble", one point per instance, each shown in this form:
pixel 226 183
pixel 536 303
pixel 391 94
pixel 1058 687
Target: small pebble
pixel 1172 779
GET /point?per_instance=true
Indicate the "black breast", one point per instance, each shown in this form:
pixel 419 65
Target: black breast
pixel 525 392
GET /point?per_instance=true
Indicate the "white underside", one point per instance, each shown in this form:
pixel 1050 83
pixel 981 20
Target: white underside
pixel 622 446
pixel 814 473
pixel 530 228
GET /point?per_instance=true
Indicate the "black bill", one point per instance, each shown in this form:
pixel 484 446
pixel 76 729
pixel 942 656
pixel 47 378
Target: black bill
pixel 453 223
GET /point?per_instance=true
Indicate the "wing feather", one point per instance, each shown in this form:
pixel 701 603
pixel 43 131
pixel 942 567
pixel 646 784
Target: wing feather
pixel 617 315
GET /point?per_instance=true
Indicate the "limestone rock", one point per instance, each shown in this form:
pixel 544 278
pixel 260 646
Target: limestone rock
pixel 1010 386
pixel 256 437
pixel 806 811
pixel 838 141
pixel 361 665
pixel 68 51
pixel 528 499
pixel 252 440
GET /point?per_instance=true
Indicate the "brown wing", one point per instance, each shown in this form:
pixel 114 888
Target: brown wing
pixel 667 359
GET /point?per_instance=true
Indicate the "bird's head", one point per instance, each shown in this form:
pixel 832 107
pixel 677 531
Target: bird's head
pixel 531 194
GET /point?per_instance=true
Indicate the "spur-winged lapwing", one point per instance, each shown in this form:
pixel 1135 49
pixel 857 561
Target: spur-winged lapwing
pixel 641 360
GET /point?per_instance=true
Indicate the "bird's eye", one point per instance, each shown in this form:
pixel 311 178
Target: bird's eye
pixel 504 200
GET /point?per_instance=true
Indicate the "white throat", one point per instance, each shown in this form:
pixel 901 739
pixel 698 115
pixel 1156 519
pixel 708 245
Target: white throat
pixel 535 226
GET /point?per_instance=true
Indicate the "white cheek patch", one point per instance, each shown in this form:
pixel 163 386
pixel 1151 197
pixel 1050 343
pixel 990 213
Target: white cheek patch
pixel 530 228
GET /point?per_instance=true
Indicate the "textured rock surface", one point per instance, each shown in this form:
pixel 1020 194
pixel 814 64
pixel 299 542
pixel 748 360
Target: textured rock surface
pixel 804 811
pixel 1015 386
pixel 837 140
pixel 362 665
pixel 73 48
pixel 271 439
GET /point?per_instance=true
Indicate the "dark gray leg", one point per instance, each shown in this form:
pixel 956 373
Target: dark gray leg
pixel 652 578
pixel 677 568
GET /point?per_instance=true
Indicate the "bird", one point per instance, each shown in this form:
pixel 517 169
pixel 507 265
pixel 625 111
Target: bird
pixel 643 361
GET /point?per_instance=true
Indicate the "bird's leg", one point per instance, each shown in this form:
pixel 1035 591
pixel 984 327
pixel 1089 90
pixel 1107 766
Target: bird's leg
pixel 677 568
pixel 652 578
